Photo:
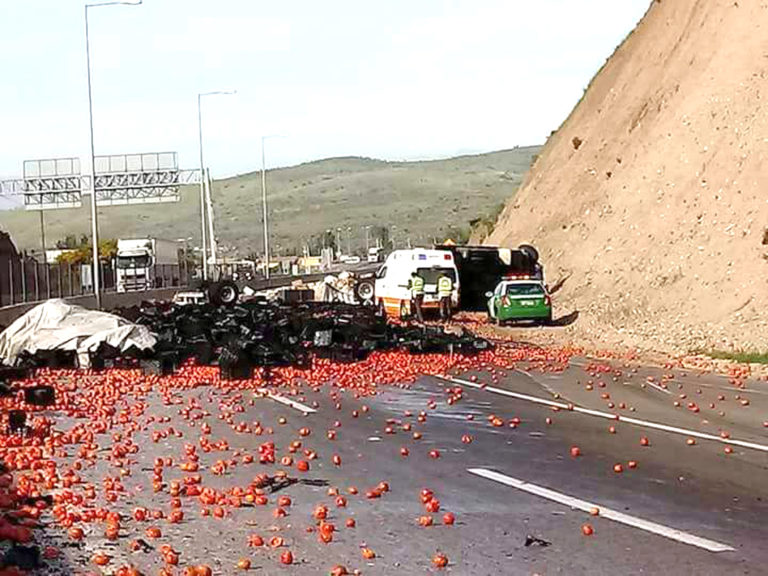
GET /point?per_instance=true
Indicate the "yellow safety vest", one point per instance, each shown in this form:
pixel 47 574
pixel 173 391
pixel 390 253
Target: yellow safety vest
pixel 417 285
pixel 444 286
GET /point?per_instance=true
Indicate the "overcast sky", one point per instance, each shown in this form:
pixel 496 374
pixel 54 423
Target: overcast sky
pixel 394 79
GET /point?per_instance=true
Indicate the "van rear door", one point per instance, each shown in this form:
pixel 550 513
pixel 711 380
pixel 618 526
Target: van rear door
pixel 431 276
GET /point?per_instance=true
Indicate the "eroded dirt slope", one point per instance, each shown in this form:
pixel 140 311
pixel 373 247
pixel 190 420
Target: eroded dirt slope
pixel 652 198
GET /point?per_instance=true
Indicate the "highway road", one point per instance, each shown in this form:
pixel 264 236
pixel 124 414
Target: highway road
pixel 526 459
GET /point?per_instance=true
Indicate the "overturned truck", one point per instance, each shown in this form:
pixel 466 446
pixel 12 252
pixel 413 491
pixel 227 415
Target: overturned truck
pixel 481 268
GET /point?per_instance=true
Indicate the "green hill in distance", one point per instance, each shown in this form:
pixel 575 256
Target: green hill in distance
pixel 420 200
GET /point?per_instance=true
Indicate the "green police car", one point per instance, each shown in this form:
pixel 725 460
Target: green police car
pixel 519 299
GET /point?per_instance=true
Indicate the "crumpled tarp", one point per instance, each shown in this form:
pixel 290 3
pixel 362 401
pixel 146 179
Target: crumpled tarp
pixel 56 325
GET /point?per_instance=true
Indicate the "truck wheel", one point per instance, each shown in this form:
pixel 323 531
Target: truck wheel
pixel 223 293
pixel 364 291
pixel 530 251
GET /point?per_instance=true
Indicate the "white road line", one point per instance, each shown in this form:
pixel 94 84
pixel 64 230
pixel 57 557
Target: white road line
pixel 634 521
pixel 609 416
pixel 659 388
pixel 287 401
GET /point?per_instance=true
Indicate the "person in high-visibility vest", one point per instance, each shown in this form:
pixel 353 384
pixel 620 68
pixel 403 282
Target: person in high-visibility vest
pixel 444 292
pixel 416 286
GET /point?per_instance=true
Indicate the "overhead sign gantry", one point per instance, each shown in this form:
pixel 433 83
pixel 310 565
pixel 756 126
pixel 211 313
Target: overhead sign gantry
pixel 122 179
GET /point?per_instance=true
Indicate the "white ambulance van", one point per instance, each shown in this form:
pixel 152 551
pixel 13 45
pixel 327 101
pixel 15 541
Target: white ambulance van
pixel 392 294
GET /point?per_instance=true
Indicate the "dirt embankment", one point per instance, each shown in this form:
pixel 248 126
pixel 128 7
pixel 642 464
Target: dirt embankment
pixel 652 198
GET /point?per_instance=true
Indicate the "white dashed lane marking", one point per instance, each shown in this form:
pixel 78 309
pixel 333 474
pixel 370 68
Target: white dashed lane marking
pixel 607 513
pixel 286 401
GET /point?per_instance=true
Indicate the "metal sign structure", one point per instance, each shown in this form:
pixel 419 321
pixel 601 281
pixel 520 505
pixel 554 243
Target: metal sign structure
pixel 148 178
pixel 123 179
pixel 52 183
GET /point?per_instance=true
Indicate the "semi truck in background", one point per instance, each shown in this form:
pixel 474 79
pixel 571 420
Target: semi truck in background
pixel 146 263
pixel 374 253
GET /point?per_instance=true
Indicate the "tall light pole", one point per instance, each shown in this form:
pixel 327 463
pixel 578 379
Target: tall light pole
pixel 202 173
pixel 264 202
pixel 94 215
pixel 209 213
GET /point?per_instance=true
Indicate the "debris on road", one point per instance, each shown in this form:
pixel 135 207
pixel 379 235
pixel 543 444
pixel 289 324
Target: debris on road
pixel 531 540
pixel 125 467
pixel 56 327
pixel 270 334
pixel 216 350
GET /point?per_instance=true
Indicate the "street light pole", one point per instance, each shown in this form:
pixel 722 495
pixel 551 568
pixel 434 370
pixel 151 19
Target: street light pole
pixel 209 208
pixel 264 206
pixel 204 251
pixel 203 177
pixel 94 215
pixel 264 202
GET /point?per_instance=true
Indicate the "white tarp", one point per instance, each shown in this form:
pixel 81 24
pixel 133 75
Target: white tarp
pixel 339 288
pixel 56 325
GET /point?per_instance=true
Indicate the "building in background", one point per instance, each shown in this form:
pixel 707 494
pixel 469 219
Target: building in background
pixel 52 256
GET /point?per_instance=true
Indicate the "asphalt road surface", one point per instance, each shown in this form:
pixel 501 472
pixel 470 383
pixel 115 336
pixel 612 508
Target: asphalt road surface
pixel 525 459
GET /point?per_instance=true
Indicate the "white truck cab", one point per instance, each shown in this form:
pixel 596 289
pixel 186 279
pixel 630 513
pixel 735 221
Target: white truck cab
pixel 392 293
pixel 146 263
pixel 374 254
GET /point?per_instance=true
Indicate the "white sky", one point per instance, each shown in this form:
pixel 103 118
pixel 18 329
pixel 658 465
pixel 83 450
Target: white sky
pixel 394 79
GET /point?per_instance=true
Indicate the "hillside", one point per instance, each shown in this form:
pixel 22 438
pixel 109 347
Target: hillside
pixel 650 198
pixel 422 199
